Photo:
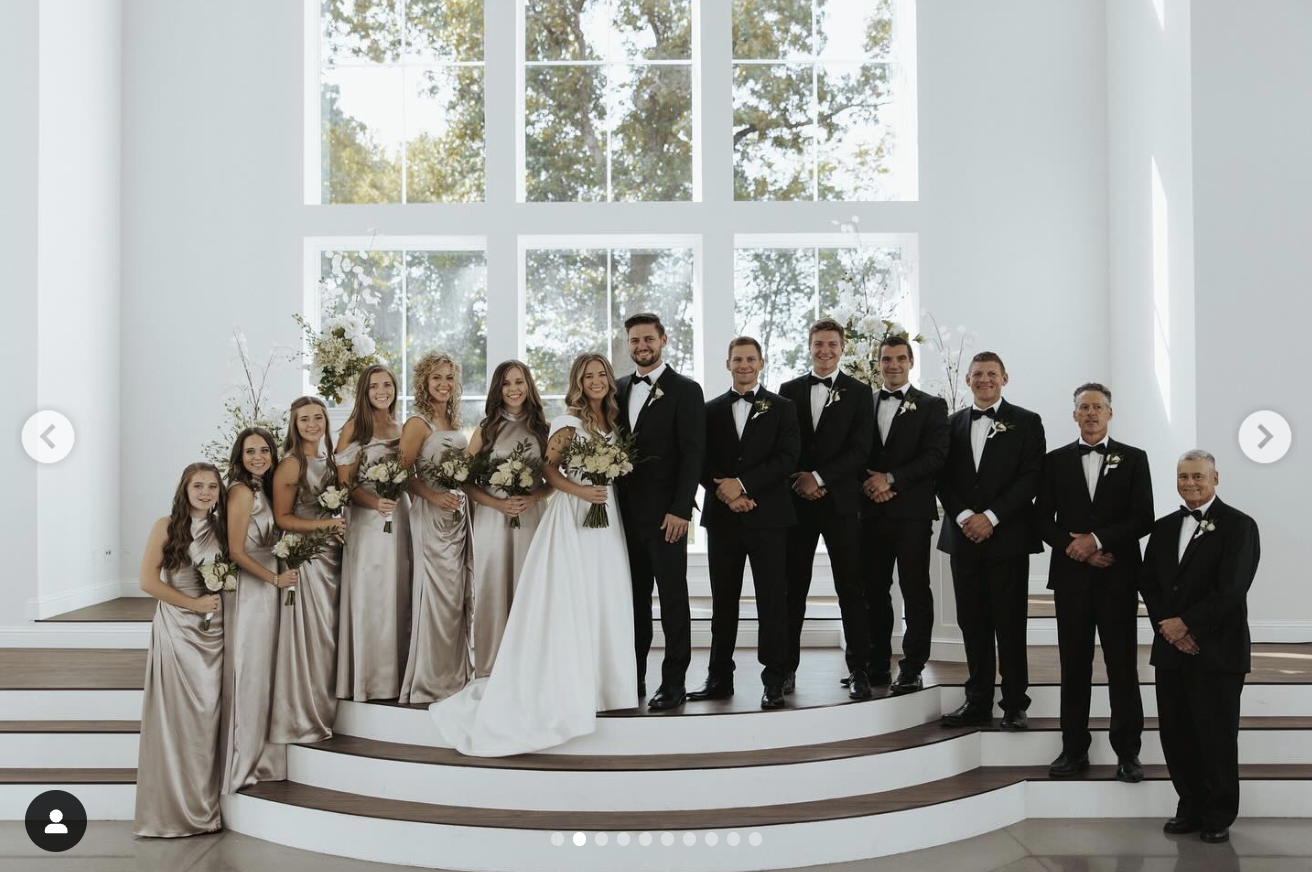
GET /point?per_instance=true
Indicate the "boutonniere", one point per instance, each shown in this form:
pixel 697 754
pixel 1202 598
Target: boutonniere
pixel 760 407
pixel 656 394
pixel 1000 427
pixel 835 394
pixel 907 406
pixel 1206 525
pixel 1113 461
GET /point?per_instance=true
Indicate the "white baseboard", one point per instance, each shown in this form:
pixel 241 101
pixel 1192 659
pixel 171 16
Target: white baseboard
pixel 76 635
pixel 40 607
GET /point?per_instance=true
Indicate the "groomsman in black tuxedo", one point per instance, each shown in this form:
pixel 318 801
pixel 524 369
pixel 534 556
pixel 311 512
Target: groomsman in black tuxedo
pixel 837 417
pixel 1095 503
pixel 898 514
pixel 1196 573
pixel 666 412
pixel 752 443
pixel 995 459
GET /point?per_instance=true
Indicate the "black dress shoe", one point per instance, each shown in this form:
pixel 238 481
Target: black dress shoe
pixel 1178 826
pixel 1015 721
pixel 907 682
pixel 1065 766
pixel 968 714
pixel 859 688
pixel 772 698
pixel 790 683
pixel 714 688
pixel 1215 835
pixel 1129 770
pixel 666 698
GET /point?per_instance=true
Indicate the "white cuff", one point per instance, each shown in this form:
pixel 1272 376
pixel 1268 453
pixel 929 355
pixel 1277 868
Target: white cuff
pixel 1096 540
pixel 963 517
pixel 993 519
pixel 818 480
pixel 740 484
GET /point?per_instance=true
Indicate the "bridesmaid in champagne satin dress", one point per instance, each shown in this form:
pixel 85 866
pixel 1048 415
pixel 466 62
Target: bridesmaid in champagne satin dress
pixel 373 629
pixel 439 663
pixel 180 764
pixel 250 638
pixel 305 680
pixel 514 414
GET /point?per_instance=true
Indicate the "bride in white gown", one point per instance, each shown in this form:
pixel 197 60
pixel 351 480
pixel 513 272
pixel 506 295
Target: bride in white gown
pixel 567 652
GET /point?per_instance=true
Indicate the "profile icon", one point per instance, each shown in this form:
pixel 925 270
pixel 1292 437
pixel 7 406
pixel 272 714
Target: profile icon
pixel 56 821
pixel 56 825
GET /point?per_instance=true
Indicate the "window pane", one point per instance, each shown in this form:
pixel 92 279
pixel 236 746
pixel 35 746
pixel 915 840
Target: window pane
pixel 359 30
pixel 772 123
pixel 566 30
pixel 448 311
pixel 856 142
pixel 774 301
pixel 652 30
pixel 361 135
pixel 565 301
pixel 872 271
pixel 444 148
pixel 852 30
pixel 446 30
pixel 565 142
pixel 651 149
pixel 771 29
pixel 370 282
pixel 659 281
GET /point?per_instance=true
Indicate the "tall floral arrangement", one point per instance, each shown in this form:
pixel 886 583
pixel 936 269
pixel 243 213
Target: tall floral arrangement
pixel 343 346
pixel 953 350
pixel 246 405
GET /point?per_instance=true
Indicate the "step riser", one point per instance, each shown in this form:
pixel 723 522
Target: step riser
pixel 1039 748
pixel 1258 701
pixel 103 802
pixel 1109 799
pixel 68 750
pixel 71 705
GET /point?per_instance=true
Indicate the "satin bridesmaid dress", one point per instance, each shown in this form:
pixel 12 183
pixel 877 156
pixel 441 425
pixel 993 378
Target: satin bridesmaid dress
pixel 305 681
pixel 439 662
pixel 250 651
pixel 179 761
pixel 499 551
pixel 373 630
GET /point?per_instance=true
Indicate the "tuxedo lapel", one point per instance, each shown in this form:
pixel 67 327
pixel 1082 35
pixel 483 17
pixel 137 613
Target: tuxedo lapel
pixel 726 424
pixel 625 390
pixel 802 399
pixel 1196 541
pixel 893 428
pixel 961 436
pixel 1102 472
pixel 651 398
pixel 752 415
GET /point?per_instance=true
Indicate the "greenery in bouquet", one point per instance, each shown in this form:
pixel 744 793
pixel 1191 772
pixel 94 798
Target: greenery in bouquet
pixel 452 469
pixel 515 475
pixel 298 549
pixel 600 462
pixel 218 575
pixel 388 478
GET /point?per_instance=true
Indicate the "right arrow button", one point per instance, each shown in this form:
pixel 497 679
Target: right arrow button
pixel 1265 436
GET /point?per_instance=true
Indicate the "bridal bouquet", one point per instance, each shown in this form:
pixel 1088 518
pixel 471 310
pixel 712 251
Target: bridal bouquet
pixel 451 470
pixel 332 502
pixel 388 479
pixel 600 462
pixel 218 575
pixel 297 549
pixel 516 475
pixel 340 351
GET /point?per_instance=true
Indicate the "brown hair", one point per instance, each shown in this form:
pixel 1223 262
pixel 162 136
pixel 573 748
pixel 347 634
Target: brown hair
pixel 823 325
pixel 426 366
pixel 492 420
pixel 294 446
pixel 177 544
pixel 987 357
pixel 896 341
pixel 237 472
pixel 362 415
pixel 745 340
pixel 644 318
pixel 576 401
pixel 1093 386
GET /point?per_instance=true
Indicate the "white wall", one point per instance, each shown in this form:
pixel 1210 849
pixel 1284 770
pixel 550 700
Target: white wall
pixel 78 315
pixel 1252 77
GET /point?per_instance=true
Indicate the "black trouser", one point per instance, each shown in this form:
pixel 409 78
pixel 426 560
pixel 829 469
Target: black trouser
pixel 728 548
pixel 906 542
pixel 1198 713
pixel 992 599
pixel 842 534
pixel 652 559
pixel 1112 609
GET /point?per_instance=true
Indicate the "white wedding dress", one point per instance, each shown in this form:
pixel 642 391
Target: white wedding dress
pixel 567 652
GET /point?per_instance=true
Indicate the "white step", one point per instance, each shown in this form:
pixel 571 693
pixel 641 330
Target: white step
pixel 103 802
pixel 70 705
pixel 68 750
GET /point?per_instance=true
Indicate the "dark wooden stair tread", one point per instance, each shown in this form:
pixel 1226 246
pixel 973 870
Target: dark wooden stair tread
pixel 70 726
pixel 68 776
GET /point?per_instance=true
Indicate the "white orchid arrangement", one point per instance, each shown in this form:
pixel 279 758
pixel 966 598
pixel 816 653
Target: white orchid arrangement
pixel 953 350
pixel 246 404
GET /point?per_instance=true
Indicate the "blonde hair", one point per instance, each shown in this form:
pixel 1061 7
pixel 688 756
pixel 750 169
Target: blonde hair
pixel 426 366
pixel 578 402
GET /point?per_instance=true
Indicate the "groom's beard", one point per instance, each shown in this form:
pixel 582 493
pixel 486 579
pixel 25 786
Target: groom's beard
pixel 646 360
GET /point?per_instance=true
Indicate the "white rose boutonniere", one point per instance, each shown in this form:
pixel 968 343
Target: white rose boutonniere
pixel 907 406
pixel 760 407
pixel 656 394
pixel 835 395
pixel 1206 525
pixel 1113 461
pixel 1000 427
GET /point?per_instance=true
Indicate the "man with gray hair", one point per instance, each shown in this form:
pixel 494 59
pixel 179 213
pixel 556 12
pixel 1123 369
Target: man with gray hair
pixel 1197 570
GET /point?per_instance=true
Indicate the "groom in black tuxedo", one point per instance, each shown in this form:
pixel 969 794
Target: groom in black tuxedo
pixel 1095 503
pixel 752 445
pixel 995 459
pixel 837 418
pixel 1196 574
pixel 666 412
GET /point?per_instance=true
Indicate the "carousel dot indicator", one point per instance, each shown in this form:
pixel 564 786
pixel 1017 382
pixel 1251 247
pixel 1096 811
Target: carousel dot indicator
pixel 712 839
pixel 755 839
pixel 644 839
pixel 733 840
pixel 602 839
pixel 580 839
pixel 557 839
pixel 667 839
pixel 622 839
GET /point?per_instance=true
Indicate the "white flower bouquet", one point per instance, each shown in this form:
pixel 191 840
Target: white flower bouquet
pixel 451 470
pixel 388 478
pixel 340 351
pixel 516 475
pixel 599 462
pixel 297 549
pixel 219 574
pixel 334 500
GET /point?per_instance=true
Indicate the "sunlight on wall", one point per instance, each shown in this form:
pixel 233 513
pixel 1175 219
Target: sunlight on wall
pixel 1161 293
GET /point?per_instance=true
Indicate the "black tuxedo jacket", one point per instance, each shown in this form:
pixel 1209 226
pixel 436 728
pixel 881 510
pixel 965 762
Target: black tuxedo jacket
pixel 1120 514
pixel 671 435
pixel 1207 589
pixel 1007 480
pixel 839 446
pixel 916 450
pixel 762 460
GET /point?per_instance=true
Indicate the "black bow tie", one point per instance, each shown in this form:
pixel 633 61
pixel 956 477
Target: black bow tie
pixel 1085 448
pixel 976 414
pixel 827 381
pixel 645 379
pixel 1196 514
pixel 898 394
pixel 748 397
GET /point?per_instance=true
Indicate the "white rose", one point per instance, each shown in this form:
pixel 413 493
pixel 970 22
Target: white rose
pixel 613 470
pixel 364 345
pixel 525 480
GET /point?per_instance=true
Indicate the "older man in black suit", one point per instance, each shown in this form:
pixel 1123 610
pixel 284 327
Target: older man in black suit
pixel 1095 503
pixel 995 459
pixel 1196 573
pixel 752 445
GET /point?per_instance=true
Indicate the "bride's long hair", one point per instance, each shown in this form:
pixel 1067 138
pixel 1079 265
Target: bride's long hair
pixel 578 403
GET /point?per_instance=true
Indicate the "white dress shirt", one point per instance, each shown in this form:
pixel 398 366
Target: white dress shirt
pixel 638 392
pixel 979 436
pixel 1188 527
pixel 1093 462
pixel 887 411
pixel 820 399
pixel 742 411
